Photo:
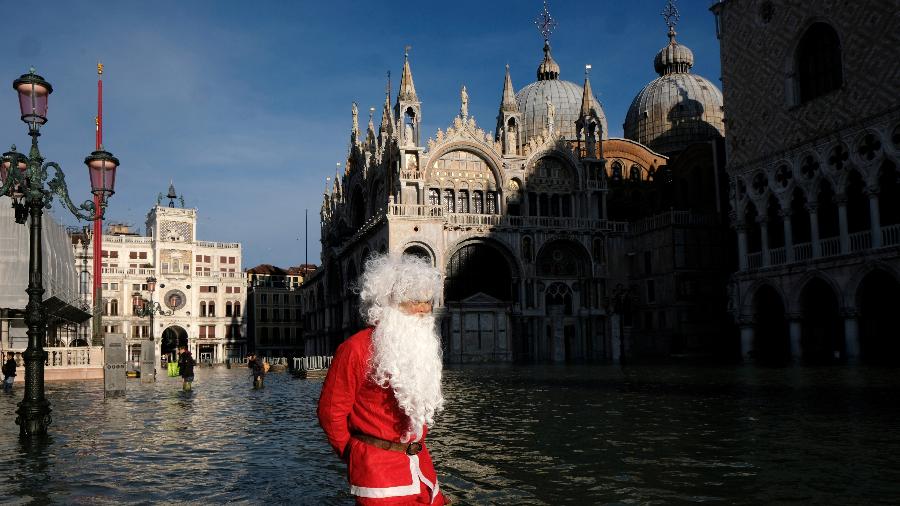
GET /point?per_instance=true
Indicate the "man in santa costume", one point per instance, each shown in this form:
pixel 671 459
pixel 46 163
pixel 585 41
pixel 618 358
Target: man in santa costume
pixel 384 386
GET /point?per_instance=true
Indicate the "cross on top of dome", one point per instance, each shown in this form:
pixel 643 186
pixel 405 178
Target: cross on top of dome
pixel 545 22
pixel 671 15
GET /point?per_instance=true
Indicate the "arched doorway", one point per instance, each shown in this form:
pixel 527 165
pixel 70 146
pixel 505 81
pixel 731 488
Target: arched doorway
pixel 822 337
pixel 478 294
pixel 771 342
pixel 877 301
pixel 172 338
pixel 563 265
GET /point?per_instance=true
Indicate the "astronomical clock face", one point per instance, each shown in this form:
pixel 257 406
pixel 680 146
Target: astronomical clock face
pixel 175 299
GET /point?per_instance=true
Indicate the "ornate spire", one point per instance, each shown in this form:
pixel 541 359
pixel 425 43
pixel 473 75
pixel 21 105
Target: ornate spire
pixel 586 109
pixel 509 95
pixel 387 117
pixel 407 88
pixel 354 132
pixel 370 131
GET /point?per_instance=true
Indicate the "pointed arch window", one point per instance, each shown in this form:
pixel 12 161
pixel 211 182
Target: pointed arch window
pixel 478 202
pixel 202 308
pixel 237 309
pixel 818 62
pixel 491 202
pixel 229 309
pixel 434 197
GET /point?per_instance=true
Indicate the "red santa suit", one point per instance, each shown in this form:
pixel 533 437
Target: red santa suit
pixel 351 403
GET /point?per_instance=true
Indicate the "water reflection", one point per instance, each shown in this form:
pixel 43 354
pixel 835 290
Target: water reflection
pixel 510 435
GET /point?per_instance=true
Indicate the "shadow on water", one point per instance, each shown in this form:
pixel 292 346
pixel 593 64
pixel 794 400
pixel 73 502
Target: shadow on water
pixel 540 434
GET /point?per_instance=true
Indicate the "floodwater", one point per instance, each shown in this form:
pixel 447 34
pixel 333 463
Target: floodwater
pixel 510 435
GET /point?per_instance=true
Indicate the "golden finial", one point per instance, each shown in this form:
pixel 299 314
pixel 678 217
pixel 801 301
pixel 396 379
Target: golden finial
pixel 99 69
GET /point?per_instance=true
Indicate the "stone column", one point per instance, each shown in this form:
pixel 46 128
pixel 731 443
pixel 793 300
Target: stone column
pixel 763 221
pixel 742 246
pixel 851 333
pixel 813 209
pixel 615 334
pixel 841 201
pixel 796 330
pixel 788 235
pixel 874 216
pixel 747 337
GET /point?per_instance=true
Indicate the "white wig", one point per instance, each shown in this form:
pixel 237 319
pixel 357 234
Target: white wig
pixel 389 280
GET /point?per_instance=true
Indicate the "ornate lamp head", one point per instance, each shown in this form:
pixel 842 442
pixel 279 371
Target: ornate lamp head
pixel 34 92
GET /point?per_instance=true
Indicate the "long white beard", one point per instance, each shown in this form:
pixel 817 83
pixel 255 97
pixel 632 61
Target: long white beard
pixel 406 356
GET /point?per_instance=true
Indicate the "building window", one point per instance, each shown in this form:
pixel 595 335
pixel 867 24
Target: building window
pixel 212 308
pixel 263 299
pixel 478 202
pixel 202 308
pixel 818 62
pixel 263 315
pixel 462 201
pixel 491 203
pixel 229 309
pixel 434 197
pixel 264 336
pixel 448 201
pixel 237 309
pixel 114 308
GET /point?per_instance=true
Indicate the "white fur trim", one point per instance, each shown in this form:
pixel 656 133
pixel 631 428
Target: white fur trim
pixel 401 490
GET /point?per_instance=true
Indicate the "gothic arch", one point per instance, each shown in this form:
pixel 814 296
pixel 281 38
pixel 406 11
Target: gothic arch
pixel 491 159
pixel 464 275
pixel 567 157
pixel 563 258
pixel 792 63
pixel 852 286
pixel 420 248
pixel 793 302
pixel 751 291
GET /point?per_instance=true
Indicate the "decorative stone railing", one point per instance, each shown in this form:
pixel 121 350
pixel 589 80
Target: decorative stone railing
pixel 776 256
pixel 316 363
pixel 860 241
pixel 802 251
pixel 221 245
pixel 830 247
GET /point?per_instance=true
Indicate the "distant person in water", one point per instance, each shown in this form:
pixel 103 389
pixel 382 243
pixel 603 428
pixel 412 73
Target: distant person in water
pixel 384 386
pixel 257 370
pixel 186 365
pixel 9 371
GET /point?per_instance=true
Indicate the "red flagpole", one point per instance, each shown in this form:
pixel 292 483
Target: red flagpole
pixel 98 223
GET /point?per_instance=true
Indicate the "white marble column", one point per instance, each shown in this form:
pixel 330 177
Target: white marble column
pixel 796 329
pixel 747 337
pixel 742 246
pixel 764 238
pixel 814 229
pixel 615 334
pixel 874 216
pixel 788 235
pixel 841 201
pixel 851 335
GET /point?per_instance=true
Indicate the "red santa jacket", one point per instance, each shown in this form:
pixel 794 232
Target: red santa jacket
pixel 352 403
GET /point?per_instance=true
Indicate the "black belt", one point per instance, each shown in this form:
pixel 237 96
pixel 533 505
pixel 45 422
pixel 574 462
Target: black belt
pixel 412 448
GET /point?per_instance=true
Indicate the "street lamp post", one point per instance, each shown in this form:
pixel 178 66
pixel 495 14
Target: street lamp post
pixel 84 279
pixel 148 308
pixel 22 178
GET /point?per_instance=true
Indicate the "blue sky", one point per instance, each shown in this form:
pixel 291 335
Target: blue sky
pixel 246 105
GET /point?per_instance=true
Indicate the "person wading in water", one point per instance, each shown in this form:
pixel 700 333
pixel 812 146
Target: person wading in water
pixel 186 365
pixel 384 386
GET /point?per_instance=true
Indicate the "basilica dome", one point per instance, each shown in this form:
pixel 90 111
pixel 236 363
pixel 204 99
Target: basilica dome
pixel 677 108
pixel 565 97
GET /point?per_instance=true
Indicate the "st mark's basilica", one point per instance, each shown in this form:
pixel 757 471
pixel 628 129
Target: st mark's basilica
pixel 557 242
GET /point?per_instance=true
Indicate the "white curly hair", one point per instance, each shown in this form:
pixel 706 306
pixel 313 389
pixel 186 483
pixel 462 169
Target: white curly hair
pixel 389 279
